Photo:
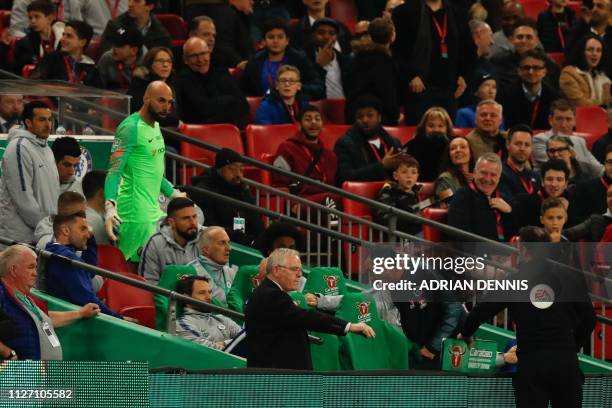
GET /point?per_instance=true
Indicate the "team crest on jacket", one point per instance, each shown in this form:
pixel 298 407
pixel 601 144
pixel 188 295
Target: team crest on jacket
pixel 542 296
pixel 364 311
pixel 456 354
pixel 85 165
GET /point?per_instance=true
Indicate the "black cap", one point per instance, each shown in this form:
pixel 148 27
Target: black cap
pixel 325 21
pixel 226 156
pixel 479 78
pixel 127 35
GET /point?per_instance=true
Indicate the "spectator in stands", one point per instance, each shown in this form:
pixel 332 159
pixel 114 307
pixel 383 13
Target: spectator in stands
pixel 205 328
pixel 361 32
pixel 226 178
pixel 67 154
pixel 115 67
pixel 332 66
pixel 555 176
pixel 35 337
pixel 512 11
pixel 583 79
pixel 487 137
pixel 457 167
pixel 261 70
pixel 138 17
pixel 283 103
pixel 98 13
pixel 507 64
pixel 485 87
pixel 518 178
pixel 592 192
pixel 599 147
pixel 204 93
pixel 176 243
pixel 430 141
pixel 69 63
pixel 306 155
pixel 562 119
pixel 554 24
pixel 213 262
pixel 157 65
pixel 93 190
pixel 595 228
pixel 482 37
pixel 389 6
pixel 374 72
pixel 20 23
pixel 68 202
pixel 280 234
pixel 431 40
pixel 598 22
pixel 479 207
pixel 560 147
pixel 301 33
pixel 71 283
pixel 29 185
pixel 553 216
pixel 529 100
pixel 402 193
pixel 11 109
pixel 366 152
pixel 43 36
pixel 276 327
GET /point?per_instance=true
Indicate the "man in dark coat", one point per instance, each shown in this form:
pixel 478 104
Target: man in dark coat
pixel 276 328
pixel 225 178
pixel 366 152
pixel 301 32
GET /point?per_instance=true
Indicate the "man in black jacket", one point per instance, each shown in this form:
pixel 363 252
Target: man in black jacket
pixel 549 334
pixel 225 178
pixel 204 93
pixel 592 192
pixel 276 328
pixel 366 152
pixel 301 32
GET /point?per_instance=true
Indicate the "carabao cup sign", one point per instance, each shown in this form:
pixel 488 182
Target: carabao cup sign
pixel 479 359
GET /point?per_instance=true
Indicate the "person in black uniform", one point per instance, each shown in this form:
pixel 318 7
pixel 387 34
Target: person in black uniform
pixel 276 328
pixel 549 334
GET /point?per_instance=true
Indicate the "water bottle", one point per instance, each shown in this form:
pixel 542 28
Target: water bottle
pixel 60 130
pixel 88 131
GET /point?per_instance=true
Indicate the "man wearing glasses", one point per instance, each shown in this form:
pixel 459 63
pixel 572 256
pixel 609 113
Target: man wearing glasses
pixel 204 93
pixel 529 100
pixel 276 328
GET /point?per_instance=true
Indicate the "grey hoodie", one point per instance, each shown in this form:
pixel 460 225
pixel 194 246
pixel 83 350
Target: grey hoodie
pixel 29 185
pixel 162 250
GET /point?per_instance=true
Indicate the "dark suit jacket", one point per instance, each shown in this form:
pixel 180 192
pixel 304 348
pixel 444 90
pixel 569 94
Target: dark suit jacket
pixel 276 329
pixel 517 109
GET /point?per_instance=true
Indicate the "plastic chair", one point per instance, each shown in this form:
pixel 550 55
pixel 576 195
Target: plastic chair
pixel 344 11
pixel 435 214
pixel 5 19
pixel 168 279
pixel 326 281
pixel 533 7
pixel 253 102
pixel 242 287
pixel 558 57
pixel 591 119
pixel 131 301
pixel 331 133
pixel 111 258
pixel 426 191
pixel 332 110
pixel 403 133
pixel 175 25
pixel 461 131
pixel 262 139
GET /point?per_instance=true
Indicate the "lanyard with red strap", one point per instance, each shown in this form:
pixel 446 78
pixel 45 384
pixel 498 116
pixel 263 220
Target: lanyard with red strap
pixel 527 184
pixel 605 184
pixel 292 110
pixel 114 9
pixel 560 30
pixel 123 83
pixel 534 113
pixel 317 167
pixel 442 33
pixel 375 150
pixel 71 71
pixel 498 215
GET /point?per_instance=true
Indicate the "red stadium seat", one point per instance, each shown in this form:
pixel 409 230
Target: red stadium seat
pixel 332 110
pixel 253 102
pixel 262 139
pixel 131 301
pixel 27 70
pixel 344 11
pixel 367 189
pixel 5 19
pixel 435 214
pixel 576 6
pixel 111 258
pixel 403 133
pixel 591 119
pixel 533 7
pixel 178 43
pixel 175 25
pixel 558 57
pixel 93 49
pixel 331 134
pixel 426 191
pixel 235 72
pixel 589 138
pixel 461 131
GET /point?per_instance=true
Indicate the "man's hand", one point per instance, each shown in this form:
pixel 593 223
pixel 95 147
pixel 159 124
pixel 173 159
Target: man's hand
pixel 500 205
pixel 311 300
pixel 510 356
pixel 427 354
pixel 111 219
pixel 177 194
pixel 89 310
pixel 325 54
pixel 6 38
pixel 461 85
pixel 242 65
pixel 391 157
pixel 244 6
pixel 130 319
pixel 416 85
pixel 363 329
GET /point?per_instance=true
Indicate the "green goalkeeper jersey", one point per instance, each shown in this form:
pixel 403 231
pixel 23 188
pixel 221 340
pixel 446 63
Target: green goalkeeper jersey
pixel 136 171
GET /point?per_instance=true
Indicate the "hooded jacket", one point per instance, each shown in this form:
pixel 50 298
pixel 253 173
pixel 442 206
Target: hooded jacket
pixel 29 185
pixel 29 49
pixel 272 109
pixel 162 250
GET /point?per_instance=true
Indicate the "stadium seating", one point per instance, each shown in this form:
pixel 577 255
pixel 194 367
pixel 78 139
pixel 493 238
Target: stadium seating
pixel 5 19
pixel 576 6
pixel 589 138
pixel 131 301
pixel 403 133
pixel 533 8
pixel 558 57
pixel 111 258
pixel 175 25
pixel 435 214
pixel 344 11
pixel 242 287
pixel 27 70
pixel 168 279
pixel 326 281
pixel 461 131
pixel 93 49
pixel 253 102
pixel 367 189
pixel 591 119
pixel 262 139
pixel 332 110
pixel 331 133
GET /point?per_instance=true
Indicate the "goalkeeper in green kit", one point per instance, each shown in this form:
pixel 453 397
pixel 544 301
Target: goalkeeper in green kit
pixel 136 174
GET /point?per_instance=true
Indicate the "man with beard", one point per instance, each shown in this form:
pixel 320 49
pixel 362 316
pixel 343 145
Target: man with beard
pixel 366 152
pixel 11 108
pixel 176 243
pixel 225 178
pixel 136 174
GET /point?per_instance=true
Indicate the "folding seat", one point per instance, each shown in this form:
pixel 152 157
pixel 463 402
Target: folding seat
pixel 591 119
pixel 331 133
pixel 242 287
pixel 403 133
pixel 558 57
pixel 262 139
pixel 461 131
pixel 168 279
pixel 175 25
pixel 253 102
pixel 111 258
pixel 344 11
pixel 435 214
pixel 326 281
pixel 332 110
pixel 533 7
pixel 131 301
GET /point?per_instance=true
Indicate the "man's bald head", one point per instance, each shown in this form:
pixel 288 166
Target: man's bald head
pixel 196 55
pixel 512 11
pixel 157 100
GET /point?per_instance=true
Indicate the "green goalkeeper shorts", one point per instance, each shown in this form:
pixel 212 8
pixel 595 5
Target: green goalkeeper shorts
pixel 133 236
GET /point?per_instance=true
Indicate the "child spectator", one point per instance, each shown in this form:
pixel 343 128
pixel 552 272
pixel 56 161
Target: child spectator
pixel 283 103
pixel 401 193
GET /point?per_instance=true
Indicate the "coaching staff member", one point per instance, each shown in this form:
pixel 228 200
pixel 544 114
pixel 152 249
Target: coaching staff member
pixel 276 328
pixel 549 334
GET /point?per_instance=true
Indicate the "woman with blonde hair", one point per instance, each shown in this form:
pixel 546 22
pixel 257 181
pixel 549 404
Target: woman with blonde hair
pixel 431 138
